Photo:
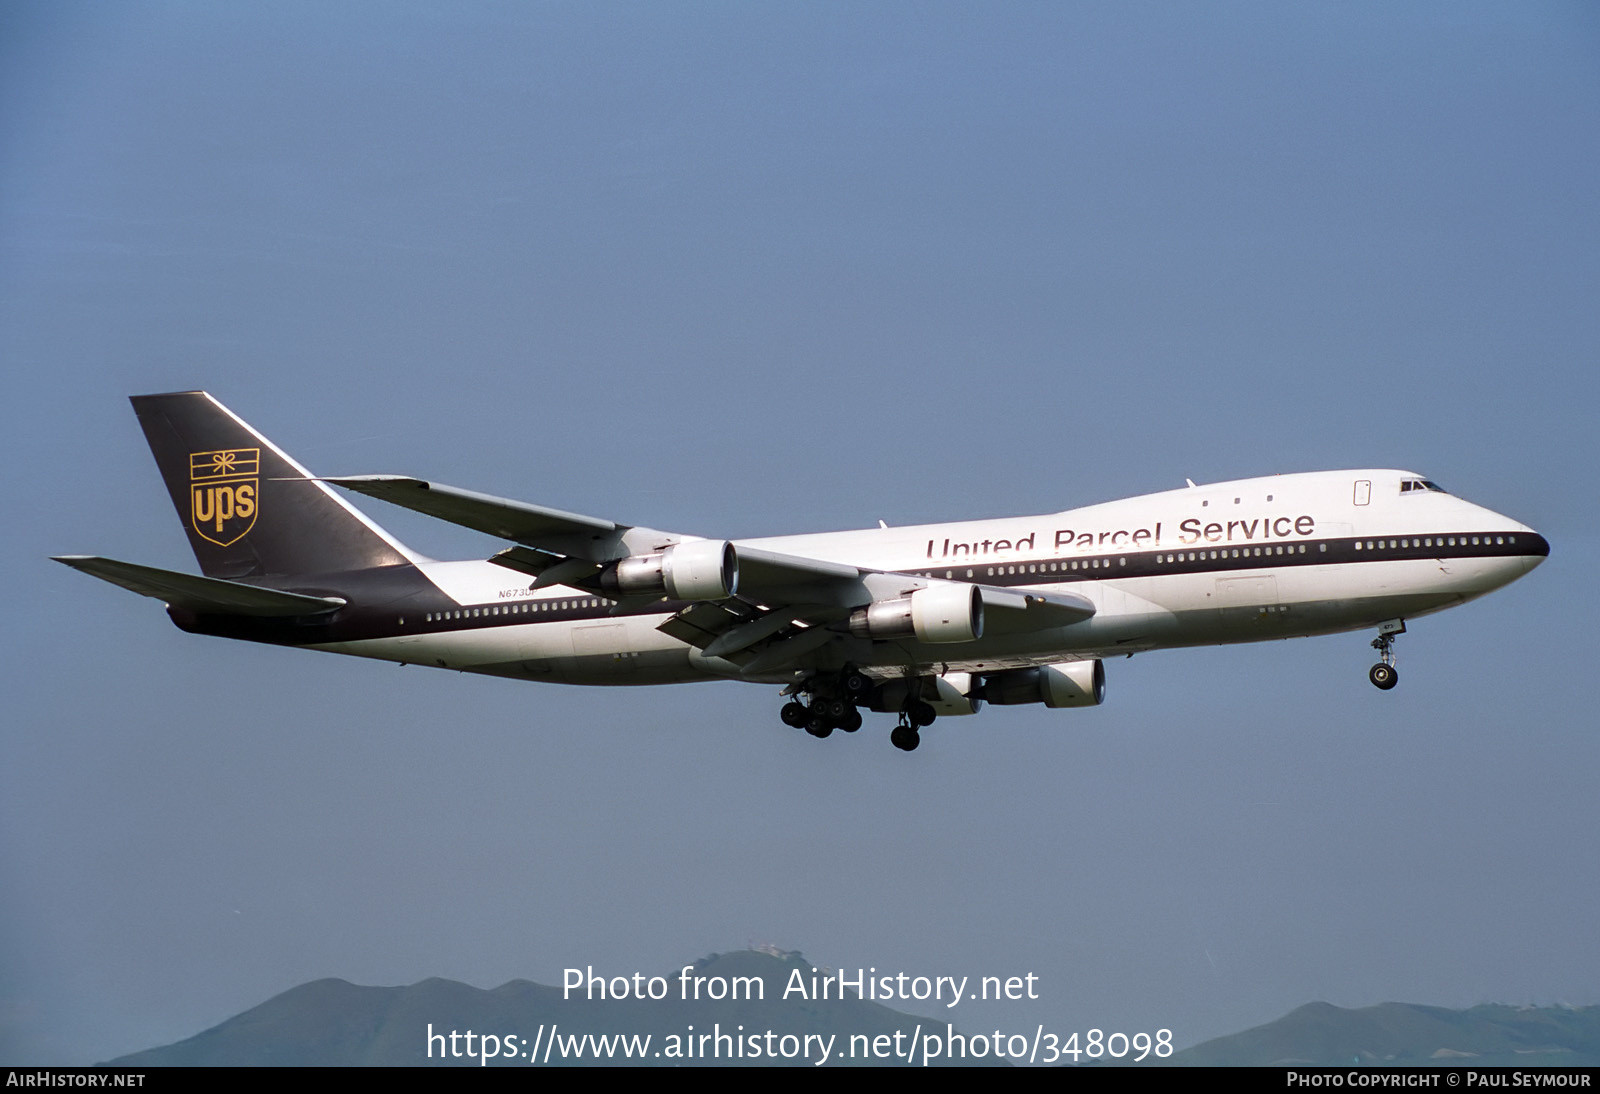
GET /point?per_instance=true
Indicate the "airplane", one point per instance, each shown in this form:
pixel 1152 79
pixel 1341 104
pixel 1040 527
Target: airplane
pixel 918 621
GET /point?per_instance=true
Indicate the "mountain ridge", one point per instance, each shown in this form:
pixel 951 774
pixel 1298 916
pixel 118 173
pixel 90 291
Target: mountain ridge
pixel 333 1022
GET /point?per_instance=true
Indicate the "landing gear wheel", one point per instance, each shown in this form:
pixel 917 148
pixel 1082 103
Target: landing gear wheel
pixel 832 709
pixel 851 721
pixel 905 738
pixel 921 714
pixel 1383 675
pixel 794 715
pixel 856 684
pixel 819 727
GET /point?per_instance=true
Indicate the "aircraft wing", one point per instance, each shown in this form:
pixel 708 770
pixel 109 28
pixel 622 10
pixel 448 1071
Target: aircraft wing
pixel 558 547
pixel 773 577
pixel 550 530
pixel 202 595
pixel 785 606
pixel 762 633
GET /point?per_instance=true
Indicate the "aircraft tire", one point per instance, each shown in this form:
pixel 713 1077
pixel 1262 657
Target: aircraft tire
pixel 819 727
pixel 851 721
pixel 1383 676
pixel 905 738
pixel 921 714
pixel 794 715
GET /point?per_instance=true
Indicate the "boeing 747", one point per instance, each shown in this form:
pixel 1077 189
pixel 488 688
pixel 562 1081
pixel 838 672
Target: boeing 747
pixel 917 622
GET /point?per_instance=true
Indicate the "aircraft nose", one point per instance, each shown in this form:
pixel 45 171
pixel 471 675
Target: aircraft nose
pixel 1538 549
pixel 1525 545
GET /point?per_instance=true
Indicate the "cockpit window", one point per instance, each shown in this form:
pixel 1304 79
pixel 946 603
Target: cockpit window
pixel 1409 485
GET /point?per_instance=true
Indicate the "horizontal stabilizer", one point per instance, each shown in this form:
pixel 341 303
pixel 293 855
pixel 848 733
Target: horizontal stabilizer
pixel 202 595
pixel 552 530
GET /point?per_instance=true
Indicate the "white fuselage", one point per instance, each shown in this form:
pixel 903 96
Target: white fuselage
pixel 1242 561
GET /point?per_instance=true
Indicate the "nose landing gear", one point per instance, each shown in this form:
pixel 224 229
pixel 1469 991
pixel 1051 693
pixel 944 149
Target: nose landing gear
pixel 1383 674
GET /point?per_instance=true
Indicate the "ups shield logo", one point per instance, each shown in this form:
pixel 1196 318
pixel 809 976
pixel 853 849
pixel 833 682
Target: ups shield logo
pixel 224 488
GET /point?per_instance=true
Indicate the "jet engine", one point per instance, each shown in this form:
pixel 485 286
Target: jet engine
pixel 1070 684
pixel 943 613
pixel 701 569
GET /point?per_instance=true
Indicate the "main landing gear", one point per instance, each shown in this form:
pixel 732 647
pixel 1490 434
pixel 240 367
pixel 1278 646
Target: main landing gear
pixel 820 718
pixel 916 715
pixel 1383 674
pixel 831 703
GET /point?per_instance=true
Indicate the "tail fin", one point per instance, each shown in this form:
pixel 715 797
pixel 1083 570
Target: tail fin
pixel 249 510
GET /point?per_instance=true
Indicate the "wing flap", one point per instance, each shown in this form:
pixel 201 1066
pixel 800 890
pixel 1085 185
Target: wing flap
pixel 745 635
pixel 202 595
pixel 702 623
pixel 786 651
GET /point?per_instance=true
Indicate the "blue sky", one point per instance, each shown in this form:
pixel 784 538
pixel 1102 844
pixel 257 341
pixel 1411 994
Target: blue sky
pixel 754 269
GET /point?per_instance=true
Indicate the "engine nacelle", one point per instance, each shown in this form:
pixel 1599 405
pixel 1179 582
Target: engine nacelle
pixel 953 695
pixel 1069 684
pixel 943 613
pixel 702 569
